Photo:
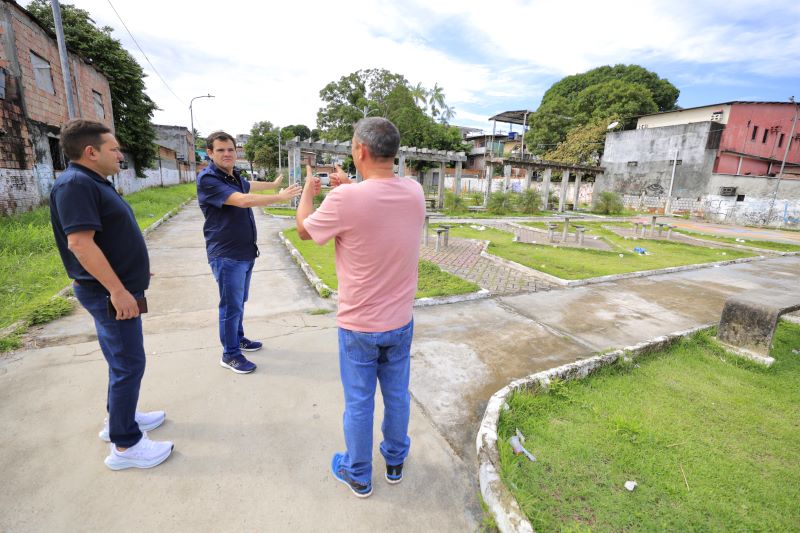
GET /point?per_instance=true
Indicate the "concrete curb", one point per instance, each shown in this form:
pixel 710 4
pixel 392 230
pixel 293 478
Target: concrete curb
pixel 322 288
pixel 65 292
pixel 499 500
pixel 615 277
pixel 739 246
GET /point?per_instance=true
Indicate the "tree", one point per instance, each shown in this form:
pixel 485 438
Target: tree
pixel 583 145
pixel 353 96
pixel 624 91
pixel 290 132
pixel 261 148
pixel 133 109
pixel 420 95
pixel 386 94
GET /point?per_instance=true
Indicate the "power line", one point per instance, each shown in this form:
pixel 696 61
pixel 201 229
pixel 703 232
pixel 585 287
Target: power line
pixel 145 55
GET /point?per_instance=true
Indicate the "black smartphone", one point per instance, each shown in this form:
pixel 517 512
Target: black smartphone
pixel 141 302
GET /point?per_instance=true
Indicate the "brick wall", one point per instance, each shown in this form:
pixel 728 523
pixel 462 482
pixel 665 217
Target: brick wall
pixel 42 106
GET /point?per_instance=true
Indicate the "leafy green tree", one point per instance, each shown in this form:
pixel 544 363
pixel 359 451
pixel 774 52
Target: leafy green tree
pixel 583 144
pixel 133 109
pixel 299 130
pixel 383 93
pixel 599 94
pixel 347 100
pixel 261 148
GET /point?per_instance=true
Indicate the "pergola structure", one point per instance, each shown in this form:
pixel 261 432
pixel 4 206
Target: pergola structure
pixel 532 163
pixel 405 153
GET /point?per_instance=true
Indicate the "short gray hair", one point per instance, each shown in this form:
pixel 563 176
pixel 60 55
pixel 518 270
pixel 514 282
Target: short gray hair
pixel 379 135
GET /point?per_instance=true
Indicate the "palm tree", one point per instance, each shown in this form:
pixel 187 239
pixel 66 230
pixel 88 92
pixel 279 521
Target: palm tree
pixel 420 95
pixel 436 100
pixel 447 114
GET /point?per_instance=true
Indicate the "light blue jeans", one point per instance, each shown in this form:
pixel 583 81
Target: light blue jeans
pixel 233 278
pixel 364 360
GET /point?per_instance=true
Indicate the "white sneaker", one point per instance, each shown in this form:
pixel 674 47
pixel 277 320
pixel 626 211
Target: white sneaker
pixel 147 421
pixel 144 454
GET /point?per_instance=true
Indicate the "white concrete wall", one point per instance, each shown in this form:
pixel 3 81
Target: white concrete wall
pixel 687 116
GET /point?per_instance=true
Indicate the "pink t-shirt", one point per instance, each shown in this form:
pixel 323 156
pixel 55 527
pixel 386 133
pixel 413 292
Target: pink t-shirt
pixel 377 224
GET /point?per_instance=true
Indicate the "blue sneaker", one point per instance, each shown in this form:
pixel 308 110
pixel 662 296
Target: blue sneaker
pixel 238 364
pixel 250 346
pixel 359 489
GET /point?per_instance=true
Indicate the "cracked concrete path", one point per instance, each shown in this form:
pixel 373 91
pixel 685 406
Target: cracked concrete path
pixel 463 353
pixel 252 453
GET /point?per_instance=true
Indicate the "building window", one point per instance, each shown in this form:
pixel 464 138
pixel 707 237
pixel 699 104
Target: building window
pixel 633 163
pixel 755 132
pixel 56 155
pixel 43 73
pixel 764 139
pixel 740 197
pixel 780 140
pixel 99 110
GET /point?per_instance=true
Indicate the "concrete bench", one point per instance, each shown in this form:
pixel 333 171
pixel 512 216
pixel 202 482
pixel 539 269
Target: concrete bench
pixel 579 230
pixel 551 231
pixel 749 320
pixel 446 234
pixel 441 237
pixel 669 231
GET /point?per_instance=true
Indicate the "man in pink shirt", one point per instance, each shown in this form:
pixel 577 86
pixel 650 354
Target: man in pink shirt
pixel 377 225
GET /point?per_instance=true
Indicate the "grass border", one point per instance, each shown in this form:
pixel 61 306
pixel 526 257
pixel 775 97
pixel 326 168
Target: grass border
pixel 20 327
pixel 499 499
pixel 325 291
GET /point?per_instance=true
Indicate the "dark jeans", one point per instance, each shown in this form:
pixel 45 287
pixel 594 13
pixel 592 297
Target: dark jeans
pixel 123 347
pixel 233 279
pixel 364 360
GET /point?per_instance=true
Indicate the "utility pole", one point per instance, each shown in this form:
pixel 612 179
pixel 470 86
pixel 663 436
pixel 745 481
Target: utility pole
pixel 280 171
pixel 783 163
pixel 668 205
pixel 62 53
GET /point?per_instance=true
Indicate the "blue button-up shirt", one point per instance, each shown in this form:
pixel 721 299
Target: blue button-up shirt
pixel 230 231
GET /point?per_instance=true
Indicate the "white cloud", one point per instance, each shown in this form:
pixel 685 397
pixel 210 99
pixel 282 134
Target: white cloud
pixel 268 61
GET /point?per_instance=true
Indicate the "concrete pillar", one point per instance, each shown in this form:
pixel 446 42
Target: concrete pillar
pixel 440 193
pixel 545 190
pixel 401 166
pixel 298 167
pixel 528 176
pixel 457 185
pixel 562 197
pixel 506 177
pixel 578 177
pixel 488 191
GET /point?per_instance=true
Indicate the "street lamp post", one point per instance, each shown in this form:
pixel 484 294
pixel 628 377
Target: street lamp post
pixel 191 118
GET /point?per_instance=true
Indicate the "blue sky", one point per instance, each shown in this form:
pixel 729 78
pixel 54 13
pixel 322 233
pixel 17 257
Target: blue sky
pixel 269 62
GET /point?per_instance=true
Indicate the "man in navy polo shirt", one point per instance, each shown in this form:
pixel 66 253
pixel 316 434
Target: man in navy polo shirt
pixel 104 253
pixel 230 231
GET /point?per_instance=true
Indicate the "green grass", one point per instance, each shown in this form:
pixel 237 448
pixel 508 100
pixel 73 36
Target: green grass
pixel 433 281
pixel 575 263
pixel 729 426
pixel 30 267
pixel 755 243
pixel 279 211
pixel 484 214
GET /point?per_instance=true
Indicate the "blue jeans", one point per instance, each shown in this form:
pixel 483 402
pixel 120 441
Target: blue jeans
pixel 233 278
pixel 123 347
pixel 365 358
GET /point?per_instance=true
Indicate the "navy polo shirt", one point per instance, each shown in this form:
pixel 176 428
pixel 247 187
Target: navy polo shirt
pixel 83 200
pixel 230 231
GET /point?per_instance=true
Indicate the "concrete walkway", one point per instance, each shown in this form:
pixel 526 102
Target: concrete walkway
pixel 252 453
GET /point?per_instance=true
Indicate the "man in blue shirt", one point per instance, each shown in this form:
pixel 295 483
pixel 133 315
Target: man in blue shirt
pixel 230 231
pixel 104 253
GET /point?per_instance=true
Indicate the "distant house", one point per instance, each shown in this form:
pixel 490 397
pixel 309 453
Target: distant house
pixel 34 107
pixel 726 159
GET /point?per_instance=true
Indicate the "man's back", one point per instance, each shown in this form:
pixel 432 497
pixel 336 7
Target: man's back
pixel 377 224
